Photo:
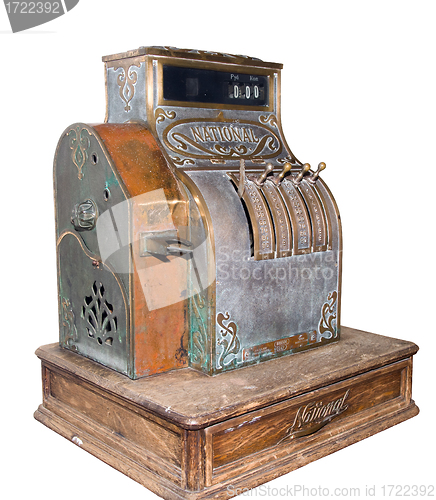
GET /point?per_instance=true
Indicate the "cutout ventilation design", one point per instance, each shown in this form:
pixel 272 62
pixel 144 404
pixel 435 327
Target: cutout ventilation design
pixel 101 323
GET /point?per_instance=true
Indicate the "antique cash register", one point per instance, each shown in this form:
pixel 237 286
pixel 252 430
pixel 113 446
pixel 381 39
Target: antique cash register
pixel 199 279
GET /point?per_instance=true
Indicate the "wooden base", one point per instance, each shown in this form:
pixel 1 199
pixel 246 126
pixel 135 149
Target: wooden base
pixel 183 434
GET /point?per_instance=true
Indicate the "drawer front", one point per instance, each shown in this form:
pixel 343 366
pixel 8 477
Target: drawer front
pixel 264 435
pixel 146 439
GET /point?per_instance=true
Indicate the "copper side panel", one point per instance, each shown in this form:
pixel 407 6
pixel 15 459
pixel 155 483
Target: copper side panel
pixel 160 339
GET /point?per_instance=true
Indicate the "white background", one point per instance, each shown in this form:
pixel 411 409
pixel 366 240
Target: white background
pixel 358 92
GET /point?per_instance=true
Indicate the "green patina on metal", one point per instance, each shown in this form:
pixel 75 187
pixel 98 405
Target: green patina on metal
pixel 79 144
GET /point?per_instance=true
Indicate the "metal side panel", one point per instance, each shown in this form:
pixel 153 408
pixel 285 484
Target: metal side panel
pixel 126 90
pixel 93 252
pixel 93 306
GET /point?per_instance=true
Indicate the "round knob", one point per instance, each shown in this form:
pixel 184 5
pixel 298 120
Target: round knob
pixel 286 168
pixel 262 177
pixel 84 216
pixel 314 177
pixel 302 173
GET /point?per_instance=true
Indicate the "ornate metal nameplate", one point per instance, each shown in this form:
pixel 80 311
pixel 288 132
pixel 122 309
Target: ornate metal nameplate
pixel 219 139
pixel 280 346
pixel 314 416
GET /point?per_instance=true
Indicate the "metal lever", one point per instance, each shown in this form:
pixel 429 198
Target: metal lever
pixel 161 246
pixel 286 168
pixel 302 173
pixel 314 177
pixel 179 241
pixel 262 177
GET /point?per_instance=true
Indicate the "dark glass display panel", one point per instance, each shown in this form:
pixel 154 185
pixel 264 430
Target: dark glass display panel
pixel 214 87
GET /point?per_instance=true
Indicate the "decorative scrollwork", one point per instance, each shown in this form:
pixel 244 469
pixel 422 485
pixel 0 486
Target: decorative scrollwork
pixel 231 346
pixel 287 159
pixel 99 316
pixel 79 144
pixel 327 326
pixel 161 114
pixel 179 162
pixel 68 322
pixel 271 120
pixel 126 81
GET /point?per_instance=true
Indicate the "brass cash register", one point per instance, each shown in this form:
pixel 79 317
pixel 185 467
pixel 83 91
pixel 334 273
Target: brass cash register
pixel 199 279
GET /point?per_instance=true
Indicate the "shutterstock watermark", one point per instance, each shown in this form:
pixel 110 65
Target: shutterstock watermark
pixel 25 15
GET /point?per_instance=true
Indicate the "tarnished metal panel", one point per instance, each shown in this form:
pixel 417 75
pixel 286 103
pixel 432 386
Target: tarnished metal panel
pixel 93 306
pixel 125 89
pixel 264 308
pixel 157 203
pixel 93 296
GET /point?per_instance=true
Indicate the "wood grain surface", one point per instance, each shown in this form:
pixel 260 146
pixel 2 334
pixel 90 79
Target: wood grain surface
pixel 184 434
pixel 193 399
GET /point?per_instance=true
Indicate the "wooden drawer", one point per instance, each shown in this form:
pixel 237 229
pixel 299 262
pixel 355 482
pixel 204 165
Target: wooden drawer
pixel 273 433
pixel 126 428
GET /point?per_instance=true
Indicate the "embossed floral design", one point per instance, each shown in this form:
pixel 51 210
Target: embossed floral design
pixel 268 119
pixel 287 159
pixel 186 161
pixel 79 144
pixel 68 322
pixel 327 323
pixel 126 81
pixel 230 345
pixel 161 114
